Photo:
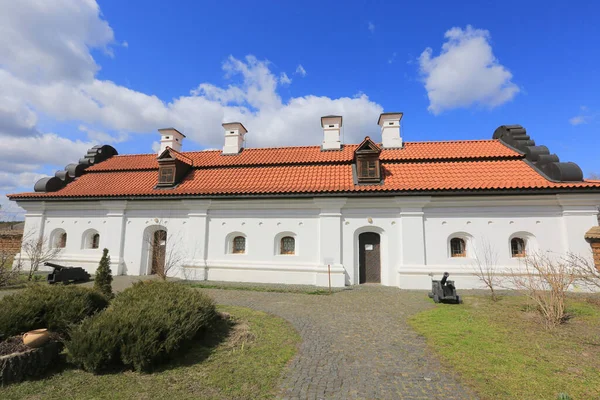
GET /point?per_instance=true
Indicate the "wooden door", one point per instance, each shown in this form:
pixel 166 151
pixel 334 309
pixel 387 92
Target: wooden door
pixel 159 247
pixel 369 260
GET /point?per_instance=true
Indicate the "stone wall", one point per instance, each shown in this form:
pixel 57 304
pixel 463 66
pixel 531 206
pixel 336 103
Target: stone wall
pixel 29 364
pixel 10 243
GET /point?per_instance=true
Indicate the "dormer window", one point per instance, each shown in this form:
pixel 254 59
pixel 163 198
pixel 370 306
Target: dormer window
pixel 172 167
pixel 166 174
pixel 368 169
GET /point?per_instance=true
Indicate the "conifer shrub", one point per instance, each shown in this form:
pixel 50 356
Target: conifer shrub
pixel 103 279
pixel 143 327
pixel 55 307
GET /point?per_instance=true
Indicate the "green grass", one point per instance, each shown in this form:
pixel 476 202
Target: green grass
pixel 260 288
pixel 502 350
pixel 234 369
pixel 22 281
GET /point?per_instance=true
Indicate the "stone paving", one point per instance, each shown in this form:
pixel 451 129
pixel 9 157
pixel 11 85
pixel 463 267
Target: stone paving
pixel 356 345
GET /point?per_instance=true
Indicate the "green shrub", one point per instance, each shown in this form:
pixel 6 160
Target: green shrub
pixel 54 307
pixel 143 326
pixel 103 279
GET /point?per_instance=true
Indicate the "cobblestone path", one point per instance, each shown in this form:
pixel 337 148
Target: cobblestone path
pixel 356 345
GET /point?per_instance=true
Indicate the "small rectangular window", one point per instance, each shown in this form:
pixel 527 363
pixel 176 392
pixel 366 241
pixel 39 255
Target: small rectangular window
pixel 458 248
pixel 166 175
pixel 239 245
pixel 331 126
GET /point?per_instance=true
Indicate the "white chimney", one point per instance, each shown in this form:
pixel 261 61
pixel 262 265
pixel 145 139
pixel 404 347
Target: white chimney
pixel 234 137
pixel 390 130
pixel 331 125
pixel 170 137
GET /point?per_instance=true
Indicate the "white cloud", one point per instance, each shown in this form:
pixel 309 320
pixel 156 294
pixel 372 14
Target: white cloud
pixel 46 149
pixel 16 118
pixel 103 137
pixel 578 120
pixel 371 27
pixel 50 41
pixel 300 70
pixel 585 116
pixel 465 73
pixel 284 79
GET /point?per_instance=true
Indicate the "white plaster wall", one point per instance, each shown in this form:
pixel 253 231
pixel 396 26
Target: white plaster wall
pixel 414 230
pixel 263 229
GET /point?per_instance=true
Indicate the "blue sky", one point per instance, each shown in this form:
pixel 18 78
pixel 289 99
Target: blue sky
pixel 77 73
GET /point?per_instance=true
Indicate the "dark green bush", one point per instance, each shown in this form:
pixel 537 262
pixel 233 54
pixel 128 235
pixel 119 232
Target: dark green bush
pixel 54 307
pixel 143 326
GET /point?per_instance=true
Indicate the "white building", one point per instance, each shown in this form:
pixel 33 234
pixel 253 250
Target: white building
pixel 393 212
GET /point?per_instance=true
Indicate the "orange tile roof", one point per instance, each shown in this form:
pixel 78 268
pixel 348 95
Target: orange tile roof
pixel 305 179
pixel 457 150
pixel 485 165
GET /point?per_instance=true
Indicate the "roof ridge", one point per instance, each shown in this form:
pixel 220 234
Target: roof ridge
pixel 456 141
pixel 318 147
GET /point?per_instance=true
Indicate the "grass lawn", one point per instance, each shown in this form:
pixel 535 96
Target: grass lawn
pixel 245 365
pixel 502 351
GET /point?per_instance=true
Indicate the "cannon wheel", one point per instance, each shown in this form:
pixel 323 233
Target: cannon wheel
pixel 436 298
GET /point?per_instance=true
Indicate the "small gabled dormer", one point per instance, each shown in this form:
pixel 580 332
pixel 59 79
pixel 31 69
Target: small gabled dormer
pixel 366 156
pixel 172 168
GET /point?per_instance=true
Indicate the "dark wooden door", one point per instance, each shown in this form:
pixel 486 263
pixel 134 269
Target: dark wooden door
pixel 159 247
pixel 369 260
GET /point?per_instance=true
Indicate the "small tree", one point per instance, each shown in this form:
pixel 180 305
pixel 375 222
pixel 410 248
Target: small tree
pixel 103 279
pixel 38 250
pixel 485 267
pixel 545 280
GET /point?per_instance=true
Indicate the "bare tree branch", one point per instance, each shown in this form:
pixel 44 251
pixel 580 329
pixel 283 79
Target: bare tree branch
pixel 585 270
pixel 167 257
pixel 546 280
pixel 485 267
pixel 38 250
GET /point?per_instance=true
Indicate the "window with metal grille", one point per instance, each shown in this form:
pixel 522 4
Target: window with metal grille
pixel 239 245
pixel 288 245
pixel 517 247
pixel 95 241
pixel 166 175
pixel 62 241
pixel 458 248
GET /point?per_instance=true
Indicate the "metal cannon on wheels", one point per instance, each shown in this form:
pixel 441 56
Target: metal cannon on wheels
pixel 66 274
pixel 444 291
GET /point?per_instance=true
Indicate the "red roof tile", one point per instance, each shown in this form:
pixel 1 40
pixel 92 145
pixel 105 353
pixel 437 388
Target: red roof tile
pixel 306 179
pixel 426 166
pixel 457 150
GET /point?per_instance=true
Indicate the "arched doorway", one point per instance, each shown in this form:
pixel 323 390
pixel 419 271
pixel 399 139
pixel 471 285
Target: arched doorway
pixel 369 257
pixel 159 248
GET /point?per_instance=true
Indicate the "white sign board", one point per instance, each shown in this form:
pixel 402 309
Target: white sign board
pixel 368 247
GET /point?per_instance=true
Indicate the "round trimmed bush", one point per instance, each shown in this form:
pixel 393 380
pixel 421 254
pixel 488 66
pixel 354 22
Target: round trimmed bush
pixel 143 326
pixel 55 307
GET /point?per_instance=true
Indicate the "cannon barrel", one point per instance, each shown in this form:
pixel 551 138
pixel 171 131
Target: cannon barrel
pixel 57 266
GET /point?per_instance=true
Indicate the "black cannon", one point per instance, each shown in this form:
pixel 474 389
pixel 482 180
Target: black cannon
pixel 444 291
pixel 66 274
